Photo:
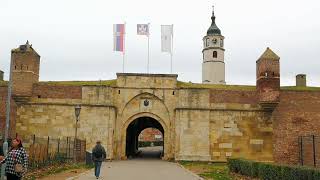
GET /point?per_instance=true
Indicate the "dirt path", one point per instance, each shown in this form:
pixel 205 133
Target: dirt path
pixel 65 175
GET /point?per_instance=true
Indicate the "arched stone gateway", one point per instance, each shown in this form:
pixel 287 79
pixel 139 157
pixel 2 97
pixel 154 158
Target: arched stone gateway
pixel 134 126
pixel 133 131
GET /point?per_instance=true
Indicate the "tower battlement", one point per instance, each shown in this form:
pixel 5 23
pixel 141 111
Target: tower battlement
pixel 25 69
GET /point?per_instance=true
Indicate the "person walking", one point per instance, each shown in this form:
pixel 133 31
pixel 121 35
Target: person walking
pixel 98 155
pixel 16 161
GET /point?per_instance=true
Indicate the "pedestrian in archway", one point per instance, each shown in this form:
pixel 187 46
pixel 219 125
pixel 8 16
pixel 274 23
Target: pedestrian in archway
pixel 98 155
pixel 16 160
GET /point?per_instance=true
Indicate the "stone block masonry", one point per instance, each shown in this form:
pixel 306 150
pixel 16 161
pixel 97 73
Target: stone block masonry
pixel 199 122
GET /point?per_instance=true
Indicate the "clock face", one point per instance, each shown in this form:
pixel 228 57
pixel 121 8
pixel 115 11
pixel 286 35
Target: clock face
pixel 214 41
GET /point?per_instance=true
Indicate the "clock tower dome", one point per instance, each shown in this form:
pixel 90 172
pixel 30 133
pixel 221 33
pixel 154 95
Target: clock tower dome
pixel 213 66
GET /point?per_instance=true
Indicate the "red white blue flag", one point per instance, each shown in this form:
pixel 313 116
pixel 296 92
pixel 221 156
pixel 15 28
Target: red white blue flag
pixel 118 37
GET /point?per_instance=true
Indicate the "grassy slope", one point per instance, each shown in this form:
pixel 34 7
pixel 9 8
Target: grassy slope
pixel 216 171
pixel 180 84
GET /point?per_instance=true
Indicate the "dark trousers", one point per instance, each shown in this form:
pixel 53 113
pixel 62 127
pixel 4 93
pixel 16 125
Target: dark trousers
pixel 12 177
pixel 97 166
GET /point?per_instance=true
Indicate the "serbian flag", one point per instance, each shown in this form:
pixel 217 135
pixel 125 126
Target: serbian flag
pixel 118 37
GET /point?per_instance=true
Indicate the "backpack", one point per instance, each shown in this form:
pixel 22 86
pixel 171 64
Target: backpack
pixel 97 153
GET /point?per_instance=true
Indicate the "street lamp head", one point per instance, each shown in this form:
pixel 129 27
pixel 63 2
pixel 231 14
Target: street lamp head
pixel 77 110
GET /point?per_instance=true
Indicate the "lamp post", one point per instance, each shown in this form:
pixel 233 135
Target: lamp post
pixel 77 110
pixel 8 110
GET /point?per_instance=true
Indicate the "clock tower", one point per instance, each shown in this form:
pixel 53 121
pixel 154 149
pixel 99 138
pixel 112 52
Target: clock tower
pixel 213 66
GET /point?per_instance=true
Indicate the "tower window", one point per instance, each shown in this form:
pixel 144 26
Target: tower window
pixel 214 54
pixel 207 42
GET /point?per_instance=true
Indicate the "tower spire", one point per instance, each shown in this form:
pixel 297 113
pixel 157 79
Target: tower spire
pixel 213 17
pixel 213 29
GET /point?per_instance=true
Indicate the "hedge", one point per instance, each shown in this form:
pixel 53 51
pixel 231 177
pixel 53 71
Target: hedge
pixel 148 143
pixel 268 171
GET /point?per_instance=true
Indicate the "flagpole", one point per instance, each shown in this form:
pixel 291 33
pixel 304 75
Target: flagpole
pixel 171 49
pixel 124 42
pixel 148 46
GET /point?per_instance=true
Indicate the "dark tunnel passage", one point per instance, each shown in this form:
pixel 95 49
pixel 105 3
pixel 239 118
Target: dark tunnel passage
pixel 133 131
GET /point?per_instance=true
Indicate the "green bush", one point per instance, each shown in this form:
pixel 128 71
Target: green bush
pixel 233 165
pixel 316 175
pixel 289 173
pixel 245 167
pixel 268 171
pixel 148 143
pixel 255 169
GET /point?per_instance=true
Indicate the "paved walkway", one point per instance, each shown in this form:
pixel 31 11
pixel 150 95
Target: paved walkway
pixel 145 168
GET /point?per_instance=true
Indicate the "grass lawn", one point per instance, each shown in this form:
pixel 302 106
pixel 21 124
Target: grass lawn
pixel 215 171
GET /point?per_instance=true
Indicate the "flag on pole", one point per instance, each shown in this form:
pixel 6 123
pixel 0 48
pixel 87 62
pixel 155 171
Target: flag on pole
pixel 166 38
pixel 143 29
pixel 118 37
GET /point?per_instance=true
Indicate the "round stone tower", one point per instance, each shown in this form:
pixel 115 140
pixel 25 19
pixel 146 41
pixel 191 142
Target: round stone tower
pixel 213 67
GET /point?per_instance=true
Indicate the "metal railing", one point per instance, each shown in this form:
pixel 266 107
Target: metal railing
pixel 309 150
pixel 45 151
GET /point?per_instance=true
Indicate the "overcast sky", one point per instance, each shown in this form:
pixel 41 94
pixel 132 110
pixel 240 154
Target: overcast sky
pixel 75 37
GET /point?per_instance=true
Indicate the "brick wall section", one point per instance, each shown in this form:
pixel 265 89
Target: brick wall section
pixel 3 99
pixel 298 113
pixel 149 134
pixel 268 89
pixel 25 72
pixel 57 91
pixel 232 96
pixel 22 83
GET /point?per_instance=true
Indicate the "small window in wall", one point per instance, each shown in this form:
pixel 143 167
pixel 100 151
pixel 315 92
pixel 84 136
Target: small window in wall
pixel 118 91
pixel 172 92
pixel 207 42
pixel 39 96
pixel 214 54
pixel 15 67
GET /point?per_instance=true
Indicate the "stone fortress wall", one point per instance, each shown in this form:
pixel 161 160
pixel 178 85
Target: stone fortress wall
pixel 200 122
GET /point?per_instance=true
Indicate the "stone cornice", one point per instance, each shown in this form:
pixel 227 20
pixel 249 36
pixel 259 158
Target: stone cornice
pixel 207 48
pixel 70 104
pixel 147 75
pixel 218 109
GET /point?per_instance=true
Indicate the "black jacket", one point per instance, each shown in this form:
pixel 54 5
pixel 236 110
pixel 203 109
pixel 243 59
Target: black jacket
pixel 98 150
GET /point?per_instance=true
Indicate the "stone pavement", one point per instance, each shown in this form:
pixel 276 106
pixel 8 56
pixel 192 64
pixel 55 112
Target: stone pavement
pixel 146 168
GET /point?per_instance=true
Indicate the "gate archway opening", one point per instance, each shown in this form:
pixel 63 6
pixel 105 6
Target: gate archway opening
pixel 132 139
